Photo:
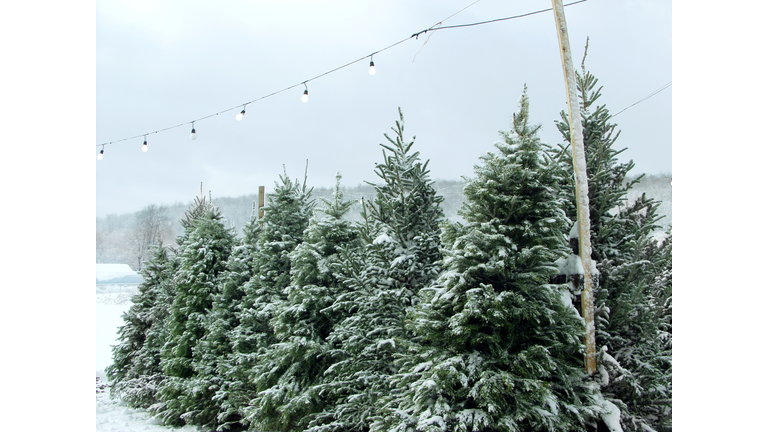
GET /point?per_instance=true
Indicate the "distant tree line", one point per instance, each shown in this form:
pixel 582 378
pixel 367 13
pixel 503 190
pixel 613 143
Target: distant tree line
pixel 402 319
pixel 125 238
pixel 116 235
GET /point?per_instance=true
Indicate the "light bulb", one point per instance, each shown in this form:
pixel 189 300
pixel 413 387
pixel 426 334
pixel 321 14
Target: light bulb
pixel 240 116
pixel 144 146
pixel 372 69
pixel 100 156
pixel 193 135
pixel 305 96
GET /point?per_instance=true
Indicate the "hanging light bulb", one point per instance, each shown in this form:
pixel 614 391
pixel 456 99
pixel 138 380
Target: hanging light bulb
pixel 144 146
pixel 305 96
pixel 242 113
pixel 100 156
pixel 193 135
pixel 372 69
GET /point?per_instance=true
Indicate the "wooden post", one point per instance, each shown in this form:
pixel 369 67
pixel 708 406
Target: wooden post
pixel 582 198
pixel 261 201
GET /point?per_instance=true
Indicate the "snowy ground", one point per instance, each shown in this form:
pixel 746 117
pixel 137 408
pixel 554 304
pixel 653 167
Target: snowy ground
pixel 113 415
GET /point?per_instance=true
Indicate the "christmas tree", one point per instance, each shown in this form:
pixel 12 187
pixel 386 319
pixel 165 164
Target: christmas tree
pixel 632 305
pixel 291 367
pixel 500 347
pixel 399 254
pixel 286 216
pixel 186 396
pixel 136 372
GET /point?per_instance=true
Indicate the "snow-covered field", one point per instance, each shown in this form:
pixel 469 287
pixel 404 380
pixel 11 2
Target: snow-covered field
pixel 113 415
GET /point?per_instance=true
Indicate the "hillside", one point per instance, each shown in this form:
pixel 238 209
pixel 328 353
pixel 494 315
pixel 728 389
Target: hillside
pixel 116 236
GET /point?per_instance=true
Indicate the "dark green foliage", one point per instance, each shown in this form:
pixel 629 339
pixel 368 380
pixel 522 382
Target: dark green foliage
pixel 186 395
pixel 286 216
pixel 291 368
pixel 136 372
pixel 399 255
pixel 606 177
pixel 631 306
pixel 402 321
pixel 223 319
pixel 500 346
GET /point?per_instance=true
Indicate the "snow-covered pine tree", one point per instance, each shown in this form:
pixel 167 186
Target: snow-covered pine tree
pixel 137 369
pixel 286 216
pixel 291 367
pixel 136 372
pixel 635 368
pixel 500 348
pixel 220 324
pixel 400 254
pixel 185 396
pixel 651 357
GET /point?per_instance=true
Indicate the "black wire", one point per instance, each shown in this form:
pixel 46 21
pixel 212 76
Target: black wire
pixel 437 26
pixel 665 86
pixel 499 19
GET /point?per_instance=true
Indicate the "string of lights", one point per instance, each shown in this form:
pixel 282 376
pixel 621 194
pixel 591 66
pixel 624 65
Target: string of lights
pixel 305 95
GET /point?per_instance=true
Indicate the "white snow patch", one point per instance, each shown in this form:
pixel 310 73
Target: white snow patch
pixel 382 343
pixel 550 400
pixel 115 415
pixel 570 265
pixel 574 234
pixel 593 267
pixel 109 318
pixel 423 366
pixel 383 238
pixel 429 384
pixel 604 377
pixel 611 416
pixel 398 260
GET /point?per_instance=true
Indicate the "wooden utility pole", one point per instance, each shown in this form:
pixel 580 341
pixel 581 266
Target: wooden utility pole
pixel 261 201
pixel 582 197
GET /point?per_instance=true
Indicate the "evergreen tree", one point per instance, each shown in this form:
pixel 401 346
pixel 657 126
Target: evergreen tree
pixel 136 372
pixel 221 322
pixel 500 348
pixel 291 367
pixel 635 366
pixel 186 395
pixel 399 255
pixel 286 216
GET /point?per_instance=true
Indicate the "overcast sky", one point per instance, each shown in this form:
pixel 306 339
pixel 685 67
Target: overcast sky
pixel 163 64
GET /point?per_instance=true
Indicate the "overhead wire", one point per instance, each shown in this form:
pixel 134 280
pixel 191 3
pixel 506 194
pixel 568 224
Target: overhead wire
pixel 436 26
pixel 665 86
pixel 502 19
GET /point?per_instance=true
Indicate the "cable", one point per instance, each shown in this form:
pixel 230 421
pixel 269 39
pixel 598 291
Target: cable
pixel 436 26
pixel 500 19
pixel 665 86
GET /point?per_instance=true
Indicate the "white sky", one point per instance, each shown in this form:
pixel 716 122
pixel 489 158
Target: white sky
pixel 162 64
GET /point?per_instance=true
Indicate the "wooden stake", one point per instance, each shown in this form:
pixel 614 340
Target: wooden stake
pixel 582 198
pixel 261 201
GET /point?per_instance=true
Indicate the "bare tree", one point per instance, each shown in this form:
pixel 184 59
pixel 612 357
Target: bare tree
pixel 111 234
pixel 150 226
